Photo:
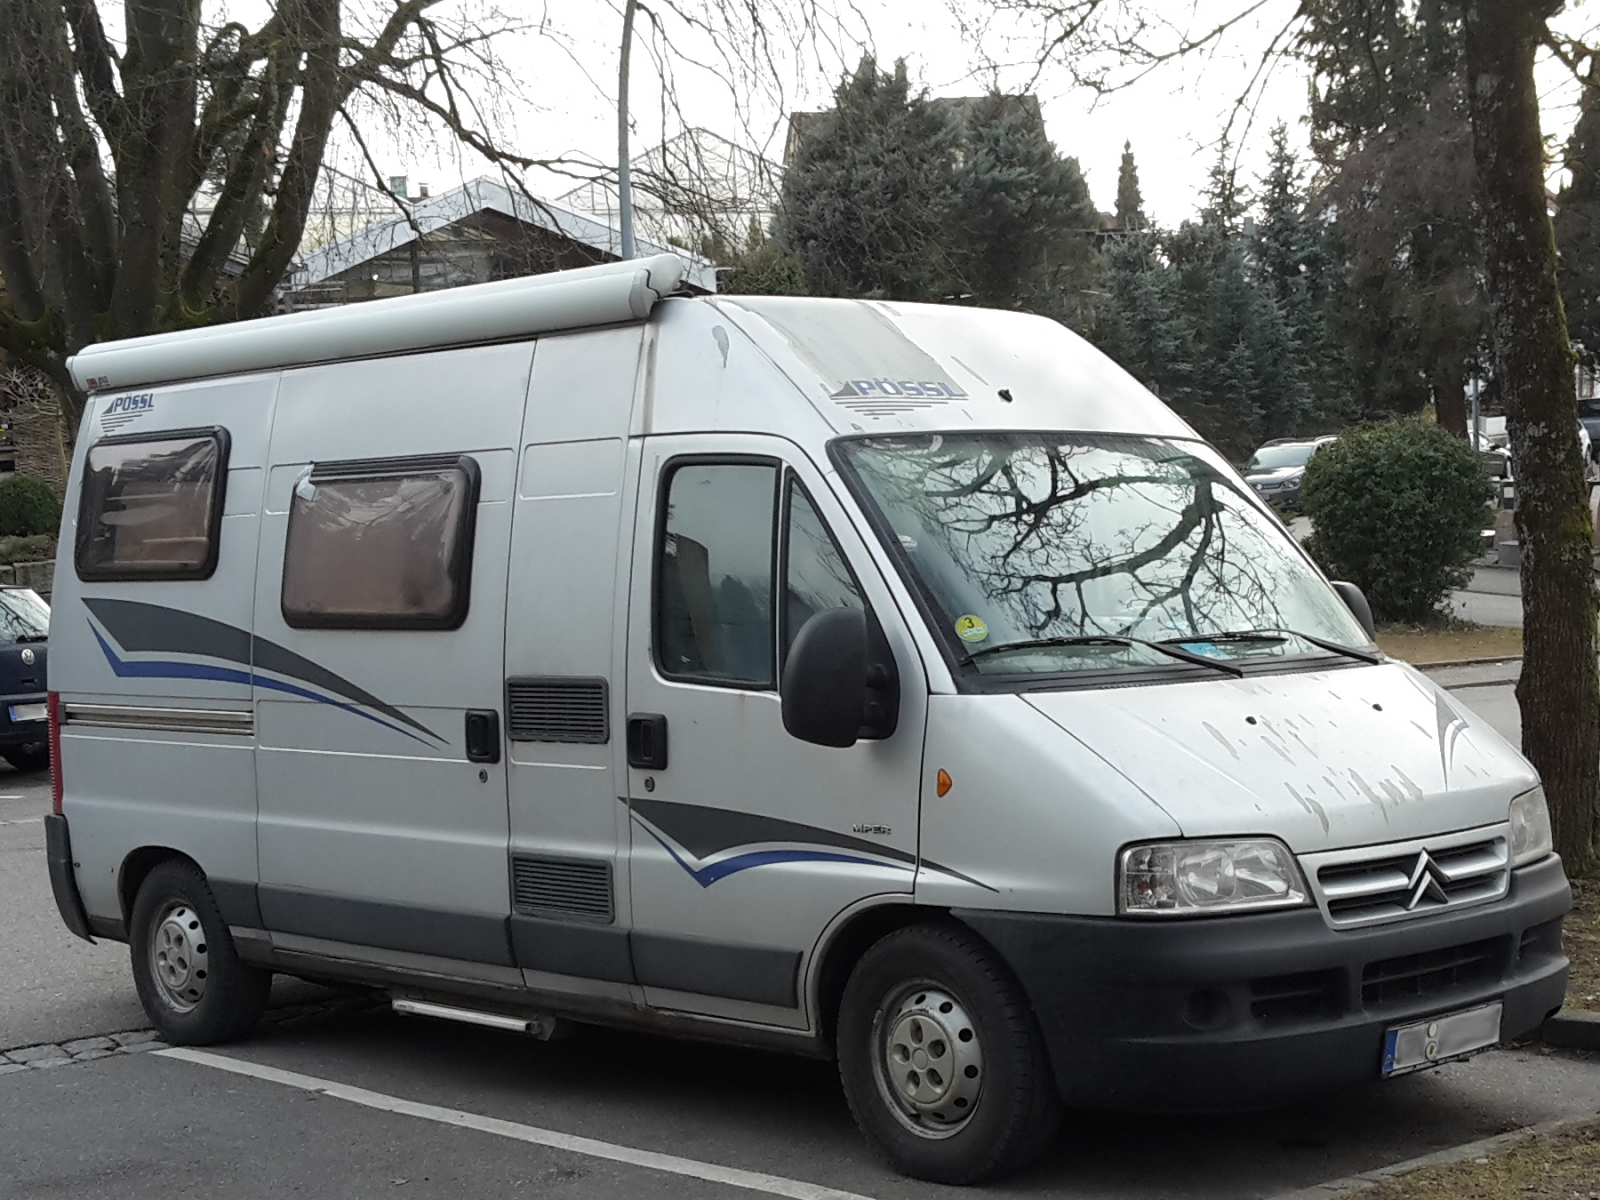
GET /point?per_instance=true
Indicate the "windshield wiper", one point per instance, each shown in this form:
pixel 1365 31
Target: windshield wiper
pixel 1177 652
pixel 1282 635
pixel 32 637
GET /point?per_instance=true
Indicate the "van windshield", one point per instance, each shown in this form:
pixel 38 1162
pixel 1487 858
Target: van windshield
pixel 1042 553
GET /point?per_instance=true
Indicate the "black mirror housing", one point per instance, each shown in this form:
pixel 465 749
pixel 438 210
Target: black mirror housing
pixel 1356 602
pixel 824 689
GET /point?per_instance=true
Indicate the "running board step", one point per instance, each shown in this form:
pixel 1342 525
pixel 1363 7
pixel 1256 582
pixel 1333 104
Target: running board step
pixel 539 1025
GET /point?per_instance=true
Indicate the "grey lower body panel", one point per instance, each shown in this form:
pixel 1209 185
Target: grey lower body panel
pixel 583 949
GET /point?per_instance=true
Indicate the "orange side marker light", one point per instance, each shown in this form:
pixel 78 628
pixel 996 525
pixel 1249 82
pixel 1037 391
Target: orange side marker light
pixel 944 782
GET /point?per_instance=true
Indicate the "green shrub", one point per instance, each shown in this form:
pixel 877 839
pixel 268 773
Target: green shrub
pixel 1397 508
pixel 27 507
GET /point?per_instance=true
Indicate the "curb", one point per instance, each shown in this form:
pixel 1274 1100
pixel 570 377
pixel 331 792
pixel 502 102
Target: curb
pixel 1467 662
pixel 1481 1149
pixel 1576 1030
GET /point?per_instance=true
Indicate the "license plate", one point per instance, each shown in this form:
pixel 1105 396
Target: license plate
pixel 28 712
pixel 1422 1044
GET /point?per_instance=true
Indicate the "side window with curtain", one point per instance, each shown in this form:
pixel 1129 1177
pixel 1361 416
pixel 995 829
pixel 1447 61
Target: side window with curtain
pixel 714 571
pixel 381 545
pixel 815 574
pixel 151 506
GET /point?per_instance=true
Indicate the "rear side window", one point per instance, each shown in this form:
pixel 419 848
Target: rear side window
pixel 381 544
pixel 151 506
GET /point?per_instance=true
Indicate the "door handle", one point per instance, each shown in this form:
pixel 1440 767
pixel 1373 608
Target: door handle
pixel 647 741
pixel 483 735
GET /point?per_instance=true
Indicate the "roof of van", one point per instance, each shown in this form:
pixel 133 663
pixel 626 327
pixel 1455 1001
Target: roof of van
pixel 870 366
pixel 601 295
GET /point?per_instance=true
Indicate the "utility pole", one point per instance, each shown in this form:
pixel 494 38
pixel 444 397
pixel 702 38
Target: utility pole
pixel 624 184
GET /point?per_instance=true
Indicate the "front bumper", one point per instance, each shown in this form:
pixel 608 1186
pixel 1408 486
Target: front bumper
pixel 1250 1011
pixel 1288 497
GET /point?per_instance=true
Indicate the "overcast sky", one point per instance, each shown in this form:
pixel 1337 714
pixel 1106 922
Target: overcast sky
pixel 566 69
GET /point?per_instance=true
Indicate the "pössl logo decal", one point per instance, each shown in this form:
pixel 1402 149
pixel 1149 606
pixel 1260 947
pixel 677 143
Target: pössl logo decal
pixel 123 409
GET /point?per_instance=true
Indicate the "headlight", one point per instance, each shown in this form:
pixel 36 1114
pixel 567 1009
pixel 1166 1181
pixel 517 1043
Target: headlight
pixel 1193 878
pixel 1530 828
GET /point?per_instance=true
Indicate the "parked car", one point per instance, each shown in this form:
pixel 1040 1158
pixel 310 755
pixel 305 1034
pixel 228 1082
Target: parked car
pixel 1589 418
pixel 1277 470
pixel 1493 442
pixel 24 650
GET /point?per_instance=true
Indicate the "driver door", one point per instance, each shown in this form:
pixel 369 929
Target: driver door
pixel 746 843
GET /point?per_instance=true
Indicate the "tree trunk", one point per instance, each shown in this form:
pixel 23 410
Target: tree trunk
pixel 1559 691
pixel 1449 380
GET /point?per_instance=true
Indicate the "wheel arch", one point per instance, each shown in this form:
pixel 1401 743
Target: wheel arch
pixel 136 868
pixel 843 947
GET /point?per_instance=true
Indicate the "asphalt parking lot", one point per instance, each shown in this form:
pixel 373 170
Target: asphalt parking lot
pixel 336 1096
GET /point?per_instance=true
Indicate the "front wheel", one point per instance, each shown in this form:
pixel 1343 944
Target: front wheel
pixel 192 983
pixel 941 1059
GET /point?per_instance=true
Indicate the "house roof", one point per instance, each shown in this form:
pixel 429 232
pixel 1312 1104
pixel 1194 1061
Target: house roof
pixel 483 194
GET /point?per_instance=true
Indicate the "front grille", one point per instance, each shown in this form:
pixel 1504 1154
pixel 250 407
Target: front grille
pixel 561 887
pixel 1410 879
pixel 1286 997
pixel 557 710
pixel 1412 976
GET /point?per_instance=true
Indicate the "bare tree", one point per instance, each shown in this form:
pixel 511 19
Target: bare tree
pixel 1108 43
pixel 164 181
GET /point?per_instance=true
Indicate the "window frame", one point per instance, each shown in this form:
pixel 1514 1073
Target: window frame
pixel 792 481
pixel 87 514
pixel 374 470
pixel 658 551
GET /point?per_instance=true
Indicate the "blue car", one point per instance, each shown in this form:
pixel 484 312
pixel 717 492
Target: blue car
pixel 24 686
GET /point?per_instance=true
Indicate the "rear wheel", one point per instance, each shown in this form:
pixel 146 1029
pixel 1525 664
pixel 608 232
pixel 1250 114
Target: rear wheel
pixel 35 756
pixel 941 1059
pixel 189 976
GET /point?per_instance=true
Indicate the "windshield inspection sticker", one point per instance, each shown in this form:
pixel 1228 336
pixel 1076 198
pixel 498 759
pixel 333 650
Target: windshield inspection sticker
pixel 971 629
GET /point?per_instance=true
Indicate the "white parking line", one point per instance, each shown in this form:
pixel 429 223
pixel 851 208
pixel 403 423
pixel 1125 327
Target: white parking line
pixel 754 1181
pixel 22 820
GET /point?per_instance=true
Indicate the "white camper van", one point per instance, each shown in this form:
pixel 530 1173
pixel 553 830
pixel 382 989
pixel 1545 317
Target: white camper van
pixel 891 682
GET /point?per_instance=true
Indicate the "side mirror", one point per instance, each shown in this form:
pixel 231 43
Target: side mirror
pixel 824 689
pixel 1357 604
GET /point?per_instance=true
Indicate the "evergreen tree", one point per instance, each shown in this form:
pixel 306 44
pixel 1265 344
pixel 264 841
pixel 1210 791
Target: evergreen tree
pixel 892 195
pixel 760 268
pixel 1130 201
pixel 1390 128
pixel 1293 263
pixel 1225 199
pixel 1019 223
pixel 864 197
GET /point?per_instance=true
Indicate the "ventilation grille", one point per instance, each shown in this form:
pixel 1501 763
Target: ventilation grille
pixel 1286 997
pixel 561 887
pixel 558 710
pixel 1417 975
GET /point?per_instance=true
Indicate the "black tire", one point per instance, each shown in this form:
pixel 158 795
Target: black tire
pixel 190 979
pixel 33 757
pixel 902 984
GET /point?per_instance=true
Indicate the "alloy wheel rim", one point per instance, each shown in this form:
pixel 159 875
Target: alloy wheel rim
pixel 179 960
pixel 928 1059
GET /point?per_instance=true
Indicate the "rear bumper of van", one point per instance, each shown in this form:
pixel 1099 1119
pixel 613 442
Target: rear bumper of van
pixel 1243 1012
pixel 63 882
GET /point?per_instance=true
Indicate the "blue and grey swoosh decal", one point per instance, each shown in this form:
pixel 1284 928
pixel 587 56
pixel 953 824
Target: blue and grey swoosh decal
pixel 238 657
pixel 698 837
